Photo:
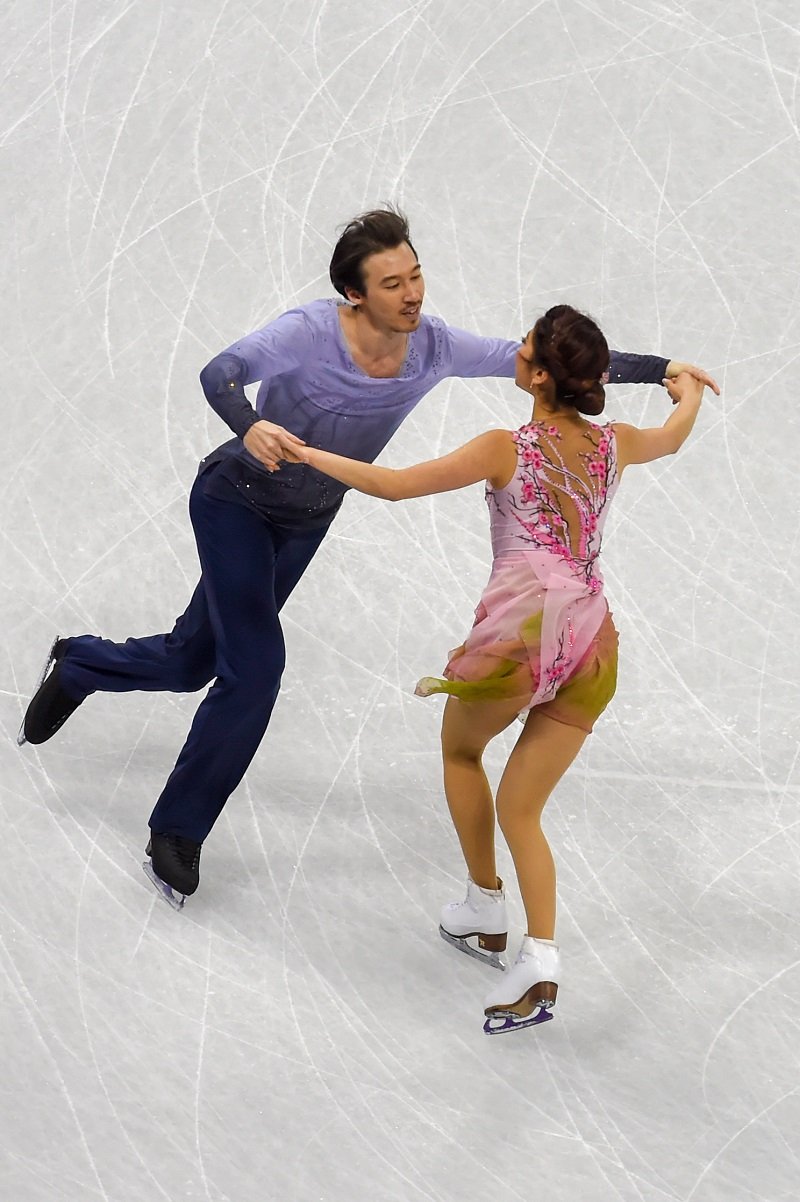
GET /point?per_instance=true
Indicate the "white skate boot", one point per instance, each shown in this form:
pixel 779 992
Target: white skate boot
pixel 478 925
pixel 528 991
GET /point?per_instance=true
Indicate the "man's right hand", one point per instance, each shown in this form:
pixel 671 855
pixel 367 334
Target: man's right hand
pixel 270 443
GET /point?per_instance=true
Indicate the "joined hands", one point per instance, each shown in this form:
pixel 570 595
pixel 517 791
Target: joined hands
pixel 270 444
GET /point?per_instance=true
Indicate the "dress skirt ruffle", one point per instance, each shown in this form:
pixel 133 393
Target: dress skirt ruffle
pixel 543 636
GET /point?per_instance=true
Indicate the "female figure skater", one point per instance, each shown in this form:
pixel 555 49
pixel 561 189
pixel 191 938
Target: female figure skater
pixel 543 646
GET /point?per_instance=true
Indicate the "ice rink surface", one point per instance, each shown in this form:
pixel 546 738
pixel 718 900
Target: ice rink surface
pixel 172 177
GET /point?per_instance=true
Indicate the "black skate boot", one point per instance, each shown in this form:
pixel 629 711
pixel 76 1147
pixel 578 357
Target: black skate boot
pixel 50 706
pixel 173 867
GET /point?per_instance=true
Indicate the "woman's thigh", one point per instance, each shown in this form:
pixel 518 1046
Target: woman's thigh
pixel 467 726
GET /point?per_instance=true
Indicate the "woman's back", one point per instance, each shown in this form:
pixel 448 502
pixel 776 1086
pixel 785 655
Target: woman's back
pixel 558 497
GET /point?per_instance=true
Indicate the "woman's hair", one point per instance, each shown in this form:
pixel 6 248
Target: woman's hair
pixel 572 348
pixel 380 229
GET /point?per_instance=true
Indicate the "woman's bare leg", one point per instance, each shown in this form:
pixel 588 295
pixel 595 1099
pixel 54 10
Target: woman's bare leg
pixel 466 729
pixel 543 753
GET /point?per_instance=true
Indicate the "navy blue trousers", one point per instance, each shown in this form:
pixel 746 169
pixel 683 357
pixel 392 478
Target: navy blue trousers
pixel 231 634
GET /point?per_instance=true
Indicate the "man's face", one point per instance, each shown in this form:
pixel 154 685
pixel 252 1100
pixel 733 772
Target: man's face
pixel 393 289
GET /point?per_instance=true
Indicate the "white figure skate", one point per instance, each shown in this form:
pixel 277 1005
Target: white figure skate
pixel 478 925
pixel 528 991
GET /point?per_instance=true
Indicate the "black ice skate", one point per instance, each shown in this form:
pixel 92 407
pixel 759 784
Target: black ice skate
pixel 50 706
pixel 173 867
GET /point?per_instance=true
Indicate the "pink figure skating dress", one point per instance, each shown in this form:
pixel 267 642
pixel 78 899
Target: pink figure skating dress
pixel 543 635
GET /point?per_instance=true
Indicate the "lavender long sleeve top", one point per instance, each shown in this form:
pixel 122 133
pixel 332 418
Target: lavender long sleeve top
pixel 310 384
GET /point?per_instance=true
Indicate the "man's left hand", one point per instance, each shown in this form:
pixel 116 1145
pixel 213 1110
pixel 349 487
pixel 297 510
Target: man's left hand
pixel 674 368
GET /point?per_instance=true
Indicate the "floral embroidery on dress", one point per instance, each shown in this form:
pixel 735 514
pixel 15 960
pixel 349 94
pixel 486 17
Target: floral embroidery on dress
pixel 543 634
pixel 550 496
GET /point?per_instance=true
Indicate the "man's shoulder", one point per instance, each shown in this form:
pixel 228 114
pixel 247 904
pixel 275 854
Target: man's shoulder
pixel 312 314
pixel 299 327
pixel 435 326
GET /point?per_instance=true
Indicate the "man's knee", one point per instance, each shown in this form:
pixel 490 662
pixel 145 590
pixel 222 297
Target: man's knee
pixel 257 672
pixel 195 677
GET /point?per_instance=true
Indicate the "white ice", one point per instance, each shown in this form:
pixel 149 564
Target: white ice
pixel 172 177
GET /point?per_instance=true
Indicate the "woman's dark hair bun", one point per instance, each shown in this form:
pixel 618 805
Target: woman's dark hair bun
pixel 572 348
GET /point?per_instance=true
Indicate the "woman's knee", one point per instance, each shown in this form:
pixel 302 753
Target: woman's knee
pixel 456 745
pixel 520 815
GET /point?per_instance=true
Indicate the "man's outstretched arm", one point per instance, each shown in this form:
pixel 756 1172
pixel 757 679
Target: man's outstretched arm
pixel 473 355
pixel 626 368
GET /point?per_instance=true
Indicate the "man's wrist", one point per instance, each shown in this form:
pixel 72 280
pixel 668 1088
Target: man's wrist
pixel 245 422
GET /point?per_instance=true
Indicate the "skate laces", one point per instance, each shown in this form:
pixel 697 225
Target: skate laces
pixel 186 850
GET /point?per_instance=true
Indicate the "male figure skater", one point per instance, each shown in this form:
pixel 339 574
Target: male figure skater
pixel 340 377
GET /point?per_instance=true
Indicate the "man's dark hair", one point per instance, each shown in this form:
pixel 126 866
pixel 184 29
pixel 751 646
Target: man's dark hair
pixel 380 229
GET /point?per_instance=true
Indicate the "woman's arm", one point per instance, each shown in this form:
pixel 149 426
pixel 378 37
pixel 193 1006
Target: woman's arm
pixel 643 446
pixel 491 456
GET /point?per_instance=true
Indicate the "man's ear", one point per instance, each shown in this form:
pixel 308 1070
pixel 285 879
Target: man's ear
pixel 355 298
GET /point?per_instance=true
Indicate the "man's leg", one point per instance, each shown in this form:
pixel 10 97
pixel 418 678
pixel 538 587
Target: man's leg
pixel 179 662
pixel 248 568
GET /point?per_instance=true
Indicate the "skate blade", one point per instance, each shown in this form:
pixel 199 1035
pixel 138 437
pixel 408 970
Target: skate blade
pixel 491 958
pixel 173 899
pixel 21 740
pixel 502 1022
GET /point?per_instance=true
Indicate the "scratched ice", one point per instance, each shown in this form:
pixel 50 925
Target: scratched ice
pixel 169 182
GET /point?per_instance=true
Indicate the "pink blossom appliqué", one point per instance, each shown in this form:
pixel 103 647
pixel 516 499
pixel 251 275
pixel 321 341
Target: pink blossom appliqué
pixel 556 674
pixel 534 457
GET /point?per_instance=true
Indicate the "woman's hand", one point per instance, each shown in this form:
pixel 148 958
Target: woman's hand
pixel 685 386
pixel 270 444
pixel 674 369
pixel 294 454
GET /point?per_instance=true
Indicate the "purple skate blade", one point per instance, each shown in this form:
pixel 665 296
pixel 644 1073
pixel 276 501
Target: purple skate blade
pixel 21 740
pixel 513 1023
pixel 175 900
